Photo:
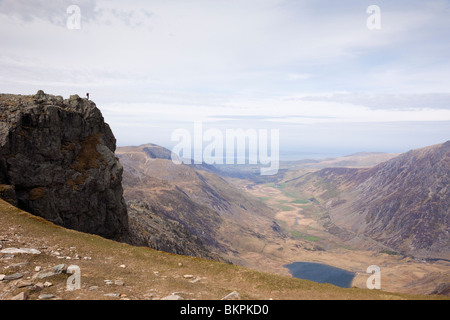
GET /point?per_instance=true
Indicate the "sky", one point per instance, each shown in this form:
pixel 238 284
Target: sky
pixel 315 70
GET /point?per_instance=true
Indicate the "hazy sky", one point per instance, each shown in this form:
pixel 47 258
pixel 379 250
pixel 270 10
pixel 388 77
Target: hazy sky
pixel 312 69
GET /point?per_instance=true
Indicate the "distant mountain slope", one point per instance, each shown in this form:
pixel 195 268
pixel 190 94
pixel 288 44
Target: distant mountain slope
pixel 212 214
pixel 293 169
pixel 403 203
pixel 356 160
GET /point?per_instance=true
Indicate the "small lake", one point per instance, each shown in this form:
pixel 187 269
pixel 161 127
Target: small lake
pixel 321 273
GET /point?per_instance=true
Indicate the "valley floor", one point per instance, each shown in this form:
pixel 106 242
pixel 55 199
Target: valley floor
pixel 308 240
pixel 113 270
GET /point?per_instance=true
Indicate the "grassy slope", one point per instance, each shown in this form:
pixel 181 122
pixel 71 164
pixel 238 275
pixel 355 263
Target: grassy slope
pixel 217 279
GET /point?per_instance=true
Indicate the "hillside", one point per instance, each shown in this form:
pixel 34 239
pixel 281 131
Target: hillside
pixel 214 217
pixel 402 203
pixel 111 270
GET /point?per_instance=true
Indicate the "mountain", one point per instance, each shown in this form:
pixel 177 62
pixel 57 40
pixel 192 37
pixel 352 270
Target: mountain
pixel 111 270
pixel 403 203
pixel 356 160
pixel 57 161
pixel 213 217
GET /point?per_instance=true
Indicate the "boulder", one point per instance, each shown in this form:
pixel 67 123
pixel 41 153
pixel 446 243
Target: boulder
pixel 20 296
pixel 20 250
pixel 57 161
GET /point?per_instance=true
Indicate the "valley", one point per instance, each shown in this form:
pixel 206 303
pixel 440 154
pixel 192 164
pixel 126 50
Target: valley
pixel 215 219
pixel 225 150
pixel 70 191
pixel 111 270
pixel 310 241
pixel 314 237
pixel 265 223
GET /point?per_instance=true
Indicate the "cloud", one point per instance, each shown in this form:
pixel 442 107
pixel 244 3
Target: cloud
pixel 226 45
pixel 51 11
pixel 291 62
pixel 405 102
pixel 299 76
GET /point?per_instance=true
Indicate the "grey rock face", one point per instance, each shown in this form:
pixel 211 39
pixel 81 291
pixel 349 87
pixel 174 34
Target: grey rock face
pixel 152 230
pixel 58 156
pixel 402 203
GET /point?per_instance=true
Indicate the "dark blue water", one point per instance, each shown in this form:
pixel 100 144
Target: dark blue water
pixel 321 273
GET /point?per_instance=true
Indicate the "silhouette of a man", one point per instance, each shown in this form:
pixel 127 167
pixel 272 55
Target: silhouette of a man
pixel 87 95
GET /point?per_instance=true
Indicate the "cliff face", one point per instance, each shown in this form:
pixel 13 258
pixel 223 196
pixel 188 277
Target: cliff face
pixel 405 202
pixel 149 227
pixel 57 161
pixel 402 203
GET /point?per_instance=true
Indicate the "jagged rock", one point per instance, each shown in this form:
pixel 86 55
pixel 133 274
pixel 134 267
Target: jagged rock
pixel 20 296
pixel 58 157
pixel 50 272
pixel 17 265
pixel 159 233
pixel 173 297
pixel 119 283
pixel 23 284
pixel 8 193
pixel 232 296
pixel 39 286
pixel 21 250
pixel 195 280
pixel 14 276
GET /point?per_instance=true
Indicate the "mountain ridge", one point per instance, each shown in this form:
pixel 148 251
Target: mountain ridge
pixel 212 212
pixel 402 203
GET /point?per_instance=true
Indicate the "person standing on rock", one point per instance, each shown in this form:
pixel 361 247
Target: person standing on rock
pixel 87 95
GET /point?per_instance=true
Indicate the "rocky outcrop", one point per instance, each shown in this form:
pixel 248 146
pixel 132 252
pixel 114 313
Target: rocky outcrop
pixel 152 230
pixel 57 161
